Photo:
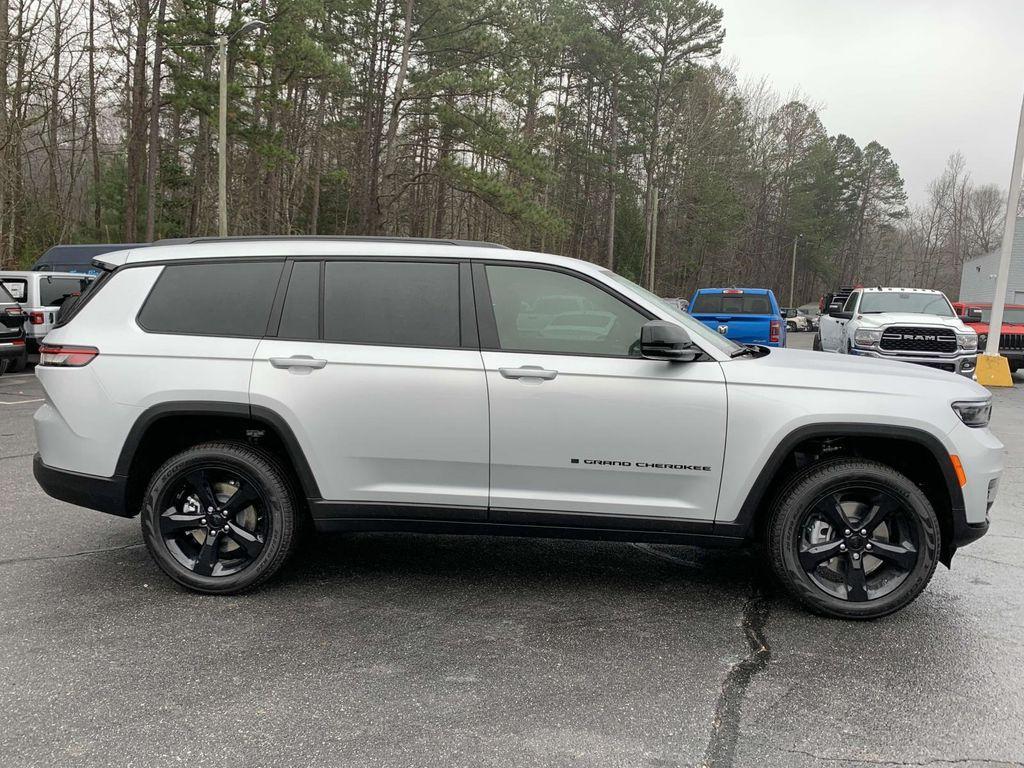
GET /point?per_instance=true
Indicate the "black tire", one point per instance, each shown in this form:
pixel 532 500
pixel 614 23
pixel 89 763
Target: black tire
pixel 19 365
pixel 801 531
pixel 249 544
pixel 816 344
pixel 5 363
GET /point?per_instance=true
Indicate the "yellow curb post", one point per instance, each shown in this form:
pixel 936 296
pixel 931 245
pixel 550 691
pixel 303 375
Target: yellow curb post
pixel 993 371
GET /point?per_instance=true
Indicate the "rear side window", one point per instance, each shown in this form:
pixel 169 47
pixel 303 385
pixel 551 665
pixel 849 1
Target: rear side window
pixel 5 296
pixel 219 299
pixel 728 304
pixel 411 304
pixel 54 291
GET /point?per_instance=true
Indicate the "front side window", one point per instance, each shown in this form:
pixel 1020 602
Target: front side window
pixel 541 310
pixel 409 304
pixel 228 298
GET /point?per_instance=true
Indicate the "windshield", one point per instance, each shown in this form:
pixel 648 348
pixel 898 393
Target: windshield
pixel 913 302
pixel 695 328
pixel 1013 316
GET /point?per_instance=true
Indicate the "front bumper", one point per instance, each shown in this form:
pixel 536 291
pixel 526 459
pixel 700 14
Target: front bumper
pixel 963 364
pixel 104 494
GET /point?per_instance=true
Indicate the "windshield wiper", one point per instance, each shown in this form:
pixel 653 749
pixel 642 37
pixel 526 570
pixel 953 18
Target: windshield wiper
pixel 746 349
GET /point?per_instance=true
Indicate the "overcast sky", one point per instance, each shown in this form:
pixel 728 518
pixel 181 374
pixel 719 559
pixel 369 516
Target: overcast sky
pixel 923 77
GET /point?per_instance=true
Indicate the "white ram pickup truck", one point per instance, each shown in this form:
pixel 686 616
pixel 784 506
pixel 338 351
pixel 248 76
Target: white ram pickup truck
pixel 910 325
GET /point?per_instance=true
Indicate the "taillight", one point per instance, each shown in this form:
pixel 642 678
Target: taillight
pixel 19 342
pixel 14 311
pixel 58 356
pixel 35 318
pixel 773 330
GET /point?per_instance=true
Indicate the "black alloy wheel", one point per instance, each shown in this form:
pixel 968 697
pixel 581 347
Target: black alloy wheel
pixel 859 543
pixel 220 517
pixel 214 520
pixel 853 538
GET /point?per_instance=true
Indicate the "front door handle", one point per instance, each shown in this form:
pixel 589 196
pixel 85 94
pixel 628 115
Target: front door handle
pixel 528 372
pixel 298 361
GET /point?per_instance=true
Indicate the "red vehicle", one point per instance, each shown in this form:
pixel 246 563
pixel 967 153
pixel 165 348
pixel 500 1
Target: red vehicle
pixel 1011 339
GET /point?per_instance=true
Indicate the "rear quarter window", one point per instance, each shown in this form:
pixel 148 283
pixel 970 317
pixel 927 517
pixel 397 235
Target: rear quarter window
pixel 17 287
pixel 218 299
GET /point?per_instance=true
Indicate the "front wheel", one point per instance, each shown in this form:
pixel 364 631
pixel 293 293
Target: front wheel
pixel 219 517
pixel 853 538
pixel 816 344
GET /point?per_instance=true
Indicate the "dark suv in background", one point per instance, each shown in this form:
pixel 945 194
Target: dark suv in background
pixel 13 353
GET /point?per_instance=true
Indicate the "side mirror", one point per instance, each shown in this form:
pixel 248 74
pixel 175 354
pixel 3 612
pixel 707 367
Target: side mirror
pixel 666 341
pixel 972 315
pixel 790 313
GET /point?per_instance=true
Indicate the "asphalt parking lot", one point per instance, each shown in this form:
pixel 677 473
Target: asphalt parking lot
pixel 404 650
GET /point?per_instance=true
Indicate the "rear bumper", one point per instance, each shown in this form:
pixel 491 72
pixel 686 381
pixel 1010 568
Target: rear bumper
pixel 104 494
pixel 10 350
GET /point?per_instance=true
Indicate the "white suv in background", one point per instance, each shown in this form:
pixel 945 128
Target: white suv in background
pixel 41 295
pixel 228 390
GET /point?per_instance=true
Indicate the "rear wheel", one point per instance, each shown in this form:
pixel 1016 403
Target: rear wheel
pixel 853 539
pixel 816 344
pixel 5 363
pixel 219 517
pixel 19 365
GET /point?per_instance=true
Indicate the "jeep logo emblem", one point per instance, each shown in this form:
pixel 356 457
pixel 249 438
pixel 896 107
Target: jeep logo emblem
pixel 723 329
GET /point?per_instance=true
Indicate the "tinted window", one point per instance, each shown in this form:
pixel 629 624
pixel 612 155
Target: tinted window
pixel 225 299
pixel 5 296
pixel 725 304
pixel 54 290
pixel 851 302
pixel 300 314
pixel 388 302
pixel 541 310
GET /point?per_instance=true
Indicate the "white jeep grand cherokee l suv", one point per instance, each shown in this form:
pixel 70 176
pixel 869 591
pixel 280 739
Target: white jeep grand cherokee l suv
pixel 229 390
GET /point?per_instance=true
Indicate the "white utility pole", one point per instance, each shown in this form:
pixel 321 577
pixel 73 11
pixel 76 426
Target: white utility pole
pixel 1003 275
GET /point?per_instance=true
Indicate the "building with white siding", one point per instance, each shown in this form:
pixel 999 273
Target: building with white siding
pixel 978 279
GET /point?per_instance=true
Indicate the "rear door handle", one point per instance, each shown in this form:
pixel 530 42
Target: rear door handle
pixel 528 372
pixel 298 361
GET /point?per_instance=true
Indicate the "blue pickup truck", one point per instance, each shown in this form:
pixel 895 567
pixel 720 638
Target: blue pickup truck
pixel 745 315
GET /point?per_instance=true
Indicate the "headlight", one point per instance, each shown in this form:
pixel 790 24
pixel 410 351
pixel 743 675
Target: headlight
pixel 865 337
pixel 974 413
pixel 967 341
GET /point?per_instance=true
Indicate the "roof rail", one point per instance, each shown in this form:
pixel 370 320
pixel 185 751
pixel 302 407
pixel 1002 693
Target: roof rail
pixel 348 238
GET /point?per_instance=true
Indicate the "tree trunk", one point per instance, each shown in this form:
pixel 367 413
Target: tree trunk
pixel 136 125
pixel 153 166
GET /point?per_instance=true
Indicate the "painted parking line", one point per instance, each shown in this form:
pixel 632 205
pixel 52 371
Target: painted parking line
pixel 20 402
